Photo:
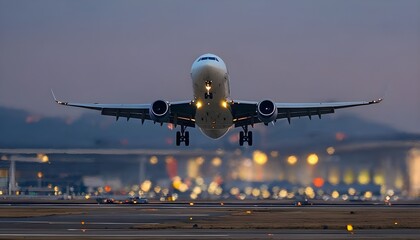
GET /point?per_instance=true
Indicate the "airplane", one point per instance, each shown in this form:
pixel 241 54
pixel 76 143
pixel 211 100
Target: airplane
pixel 211 109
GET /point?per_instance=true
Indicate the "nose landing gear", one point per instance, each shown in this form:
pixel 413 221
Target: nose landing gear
pixel 208 94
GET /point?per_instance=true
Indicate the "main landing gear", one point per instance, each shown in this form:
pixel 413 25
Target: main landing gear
pixel 183 136
pixel 208 94
pixel 245 136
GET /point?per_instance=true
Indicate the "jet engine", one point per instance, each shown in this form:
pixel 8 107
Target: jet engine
pixel 267 111
pixel 159 111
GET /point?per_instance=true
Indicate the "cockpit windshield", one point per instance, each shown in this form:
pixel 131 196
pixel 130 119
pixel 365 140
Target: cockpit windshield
pixel 208 58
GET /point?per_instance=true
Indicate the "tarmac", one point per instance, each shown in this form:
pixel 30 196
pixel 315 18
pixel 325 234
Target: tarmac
pixel 208 220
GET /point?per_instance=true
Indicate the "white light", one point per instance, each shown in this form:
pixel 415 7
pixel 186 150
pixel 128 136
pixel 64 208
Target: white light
pixel 198 104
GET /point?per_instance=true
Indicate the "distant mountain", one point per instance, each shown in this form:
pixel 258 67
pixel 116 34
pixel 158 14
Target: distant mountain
pixel 20 129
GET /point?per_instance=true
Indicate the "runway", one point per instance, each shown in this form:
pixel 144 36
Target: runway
pixel 212 234
pixel 253 220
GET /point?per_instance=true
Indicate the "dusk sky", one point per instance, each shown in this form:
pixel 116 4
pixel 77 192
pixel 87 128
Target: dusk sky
pixel 141 51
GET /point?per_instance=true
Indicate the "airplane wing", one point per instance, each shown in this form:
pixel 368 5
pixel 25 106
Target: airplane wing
pixel 182 113
pixel 246 113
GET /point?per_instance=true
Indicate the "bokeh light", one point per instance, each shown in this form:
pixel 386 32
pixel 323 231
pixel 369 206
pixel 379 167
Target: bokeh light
pixel 312 159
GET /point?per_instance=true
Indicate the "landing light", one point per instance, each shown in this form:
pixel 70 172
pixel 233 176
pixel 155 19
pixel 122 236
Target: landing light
pixel 224 104
pixel 198 104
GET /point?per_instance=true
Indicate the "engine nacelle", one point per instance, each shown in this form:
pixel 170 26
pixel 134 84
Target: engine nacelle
pixel 267 111
pixel 159 111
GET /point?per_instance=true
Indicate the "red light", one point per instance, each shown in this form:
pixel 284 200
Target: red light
pixel 340 136
pixel 107 188
pixel 318 182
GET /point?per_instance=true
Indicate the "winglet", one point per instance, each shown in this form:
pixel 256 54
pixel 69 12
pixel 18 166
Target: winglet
pixel 57 101
pixel 376 101
pixel 52 92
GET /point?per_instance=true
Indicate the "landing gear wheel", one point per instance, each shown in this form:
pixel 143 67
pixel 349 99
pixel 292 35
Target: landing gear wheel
pixel 187 138
pixel 249 138
pixel 178 138
pixel 241 138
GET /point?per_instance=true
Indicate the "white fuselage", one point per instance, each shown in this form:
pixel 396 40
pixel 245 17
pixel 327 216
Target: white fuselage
pixel 211 94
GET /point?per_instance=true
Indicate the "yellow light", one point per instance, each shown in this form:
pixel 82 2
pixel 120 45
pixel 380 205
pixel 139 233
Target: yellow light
pixel 197 190
pixel 56 189
pixel 176 183
pixel 198 104
pixel 292 160
pixel 335 194
pixel 349 227
pixel 352 191
pixel 265 194
pixel 348 177
pixel 363 177
pixel 146 185
pixel 191 204
pixel 1 192
pixel 234 191
pixel 259 157
pixel 157 189
pixel 193 168
pixel 218 191
pixel 193 196
pixel 216 161
pixel 40 175
pixel 379 179
pixel 334 176
pixel 256 192
pixel 283 193
pixel 224 104
pixel 368 194
pixel 153 160
pixel 44 158
pixel 330 150
pixel 399 181
pixel 309 192
pixel 87 196
pixel 183 187
pixel 312 159
pixel 212 187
